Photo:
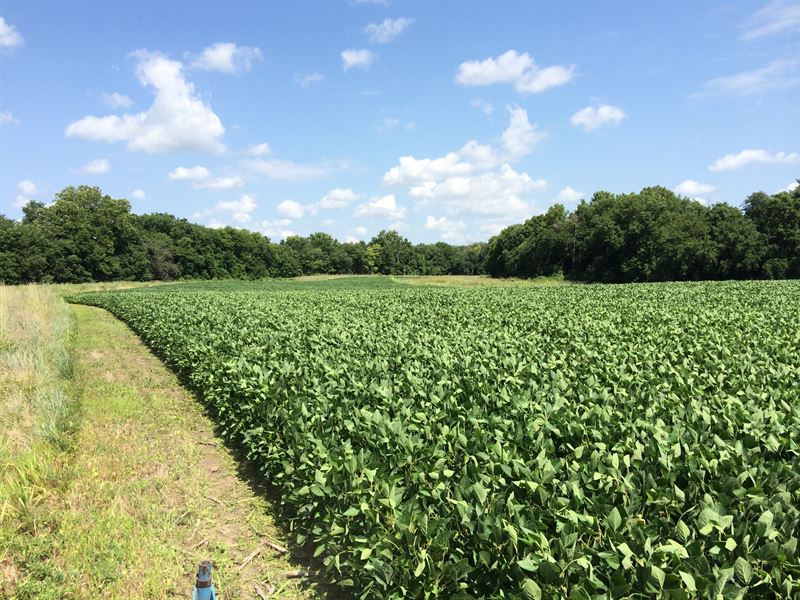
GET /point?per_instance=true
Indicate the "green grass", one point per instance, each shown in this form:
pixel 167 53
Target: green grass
pixel 126 500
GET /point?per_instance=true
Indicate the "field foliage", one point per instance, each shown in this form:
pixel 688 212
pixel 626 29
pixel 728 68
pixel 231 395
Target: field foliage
pixel 575 441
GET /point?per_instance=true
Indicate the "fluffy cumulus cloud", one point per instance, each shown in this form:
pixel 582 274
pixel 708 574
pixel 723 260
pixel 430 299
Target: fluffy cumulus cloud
pixel 517 140
pixel 381 207
pixel 777 17
pixel 790 188
pixel 449 230
pixel 592 117
pixel 277 229
pixel 202 180
pixel 97 166
pixel 520 137
pixel 138 195
pixel 197 173
pixel 731 162
pixel 178 120
pixel 291 209
pixel 475 180
pixel 694 190
pixel 353 58
pixel 226 57
pixel 780 74
pixel 9 36
pixel 388 30
pixel 569 194
pixel 514 68
pixel 338 198
pixel 117 100
pixel 6 118
pixel 239 210
pixel 27 189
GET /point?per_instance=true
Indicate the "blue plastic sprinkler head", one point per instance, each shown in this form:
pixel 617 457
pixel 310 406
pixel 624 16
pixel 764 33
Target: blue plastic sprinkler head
pixel 203 588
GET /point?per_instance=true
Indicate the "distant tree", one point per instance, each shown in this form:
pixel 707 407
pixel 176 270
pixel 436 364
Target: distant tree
pixel 395 254
pixel 777 217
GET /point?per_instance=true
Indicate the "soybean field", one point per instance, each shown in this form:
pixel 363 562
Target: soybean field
pixel 598 441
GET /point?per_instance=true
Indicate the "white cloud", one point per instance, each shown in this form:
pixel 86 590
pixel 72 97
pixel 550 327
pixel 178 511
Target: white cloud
pixel 486 107
pixel 9 36
pixel 197 173
pixel 291 209
pixel 591 117
pixel 450 230
pixel 202 180
pixel 138 195
pixel 338 198
pixel 6 118
pixel 789 188
pixel 308 79
pixel 117 100
pixel 730 162
pixel 97 166
pixel 518 140
pixel 477 178
pixel 176 121
pixel 381 207
pixel 776 17
pixel 219 183
pixel 780 74
pixel 694 190
pixel 240 210
pixel 520 136
pixel 357 58
pixel 361 230
pixel 287 170
pixel 569 194
pixel 27 188
pixel 495 193
pixel 226 57
pixel 276 229
pixel 514 68
pixel 257 149
pixel 389 29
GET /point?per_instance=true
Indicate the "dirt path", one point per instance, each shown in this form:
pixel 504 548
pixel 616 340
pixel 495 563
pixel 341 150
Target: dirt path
pixel 154 490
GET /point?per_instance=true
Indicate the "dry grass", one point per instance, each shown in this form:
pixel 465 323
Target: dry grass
pixel 36 412
pixel 476 281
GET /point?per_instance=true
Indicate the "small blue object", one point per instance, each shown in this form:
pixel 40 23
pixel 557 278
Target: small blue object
pixel 203 588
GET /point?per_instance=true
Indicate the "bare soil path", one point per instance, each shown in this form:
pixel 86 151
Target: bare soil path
pixel 154 491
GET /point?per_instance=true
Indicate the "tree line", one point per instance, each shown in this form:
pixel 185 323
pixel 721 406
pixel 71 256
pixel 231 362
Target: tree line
pixel 85 235
pixel 654 235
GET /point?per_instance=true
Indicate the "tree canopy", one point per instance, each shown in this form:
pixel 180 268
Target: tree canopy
pixel 653 235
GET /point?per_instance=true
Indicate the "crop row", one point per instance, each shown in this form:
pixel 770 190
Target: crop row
pixel 579 441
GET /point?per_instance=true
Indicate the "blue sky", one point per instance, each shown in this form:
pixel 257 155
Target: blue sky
pixel 442 120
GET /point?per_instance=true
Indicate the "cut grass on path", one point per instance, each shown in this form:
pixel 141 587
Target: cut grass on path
pixel 154 491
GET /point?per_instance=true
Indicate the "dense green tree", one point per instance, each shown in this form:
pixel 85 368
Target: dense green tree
pixel 654 235
pixel 394 253
pixel 777 217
